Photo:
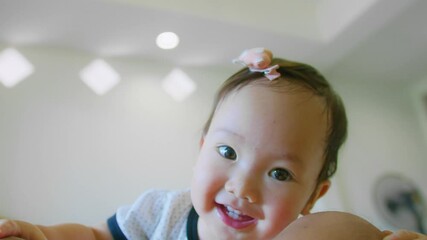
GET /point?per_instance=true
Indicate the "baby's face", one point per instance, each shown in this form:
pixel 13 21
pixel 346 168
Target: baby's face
pixel 331 226
pixel 259 163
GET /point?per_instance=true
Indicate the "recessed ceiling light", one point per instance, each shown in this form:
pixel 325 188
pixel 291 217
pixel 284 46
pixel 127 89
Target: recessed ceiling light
pixel 99 76
pixel 14 67
pixel 178 85
pixel 167 40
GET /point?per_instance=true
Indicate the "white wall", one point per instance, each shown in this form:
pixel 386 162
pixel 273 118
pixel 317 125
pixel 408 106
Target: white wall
pixel 384 137
pixel 69 155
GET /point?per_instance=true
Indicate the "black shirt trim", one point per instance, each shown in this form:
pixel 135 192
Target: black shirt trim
pixel 115 230
pixel 192 220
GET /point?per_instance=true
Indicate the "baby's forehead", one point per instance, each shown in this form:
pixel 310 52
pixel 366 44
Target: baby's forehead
pixel 269 111
pixel 266 94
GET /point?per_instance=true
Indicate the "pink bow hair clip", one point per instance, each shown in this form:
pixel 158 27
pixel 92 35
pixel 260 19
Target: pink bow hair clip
pixel 258 60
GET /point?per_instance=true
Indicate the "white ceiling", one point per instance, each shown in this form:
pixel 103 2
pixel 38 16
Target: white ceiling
pixel 373 40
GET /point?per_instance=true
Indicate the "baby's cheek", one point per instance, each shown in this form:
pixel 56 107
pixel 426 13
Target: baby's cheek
pixel 279 217
pixel 206 184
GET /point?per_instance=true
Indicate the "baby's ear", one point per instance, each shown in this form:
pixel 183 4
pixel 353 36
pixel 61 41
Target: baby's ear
pixel 321 189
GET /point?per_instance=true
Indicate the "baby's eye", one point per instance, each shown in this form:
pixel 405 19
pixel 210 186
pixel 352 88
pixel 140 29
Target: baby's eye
pixel 227 152
pixel 280 174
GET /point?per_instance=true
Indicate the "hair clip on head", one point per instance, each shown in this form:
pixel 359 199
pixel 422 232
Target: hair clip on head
pixel 259 60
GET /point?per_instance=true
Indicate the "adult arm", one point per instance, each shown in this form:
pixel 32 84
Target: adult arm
pixel 25 230
pixel 405 235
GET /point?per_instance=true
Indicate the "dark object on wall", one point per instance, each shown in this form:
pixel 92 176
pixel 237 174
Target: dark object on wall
pixel 400 203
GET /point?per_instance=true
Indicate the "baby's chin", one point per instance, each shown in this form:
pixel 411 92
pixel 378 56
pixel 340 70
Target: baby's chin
pixel 331 226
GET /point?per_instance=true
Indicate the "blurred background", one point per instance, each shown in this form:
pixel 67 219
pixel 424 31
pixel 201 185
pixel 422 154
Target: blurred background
pixel 97 112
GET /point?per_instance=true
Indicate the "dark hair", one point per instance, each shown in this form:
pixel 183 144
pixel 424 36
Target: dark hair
pixel 303 75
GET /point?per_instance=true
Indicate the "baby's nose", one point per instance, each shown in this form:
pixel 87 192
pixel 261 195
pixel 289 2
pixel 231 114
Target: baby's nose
pixel 244 187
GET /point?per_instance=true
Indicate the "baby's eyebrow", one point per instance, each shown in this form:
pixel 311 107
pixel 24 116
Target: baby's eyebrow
pixel 229 132
pixel 290 157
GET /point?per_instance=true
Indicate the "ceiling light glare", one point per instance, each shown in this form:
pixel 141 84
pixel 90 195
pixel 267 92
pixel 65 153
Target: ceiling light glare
pixel 178 85
pixel 14 67
pixel 167 40
pixel 99 76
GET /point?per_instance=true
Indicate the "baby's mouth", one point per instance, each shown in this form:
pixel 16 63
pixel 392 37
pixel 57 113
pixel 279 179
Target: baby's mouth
pixel 234 218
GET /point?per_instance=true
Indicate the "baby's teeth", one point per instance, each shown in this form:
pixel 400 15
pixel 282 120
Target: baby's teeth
pixel 233 215
pixel 234 211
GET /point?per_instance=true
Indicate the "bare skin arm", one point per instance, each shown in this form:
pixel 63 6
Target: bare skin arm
pixel 331 226
pixel 405 235
pixel 10 228
pixel 340 225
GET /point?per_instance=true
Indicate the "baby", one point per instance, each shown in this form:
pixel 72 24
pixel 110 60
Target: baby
pixel 266 155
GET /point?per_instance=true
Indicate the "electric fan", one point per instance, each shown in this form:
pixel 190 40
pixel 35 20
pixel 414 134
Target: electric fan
pixel 400 203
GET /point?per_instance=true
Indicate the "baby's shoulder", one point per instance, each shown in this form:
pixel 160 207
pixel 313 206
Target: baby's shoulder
pixel 155 201
pixel 156 214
